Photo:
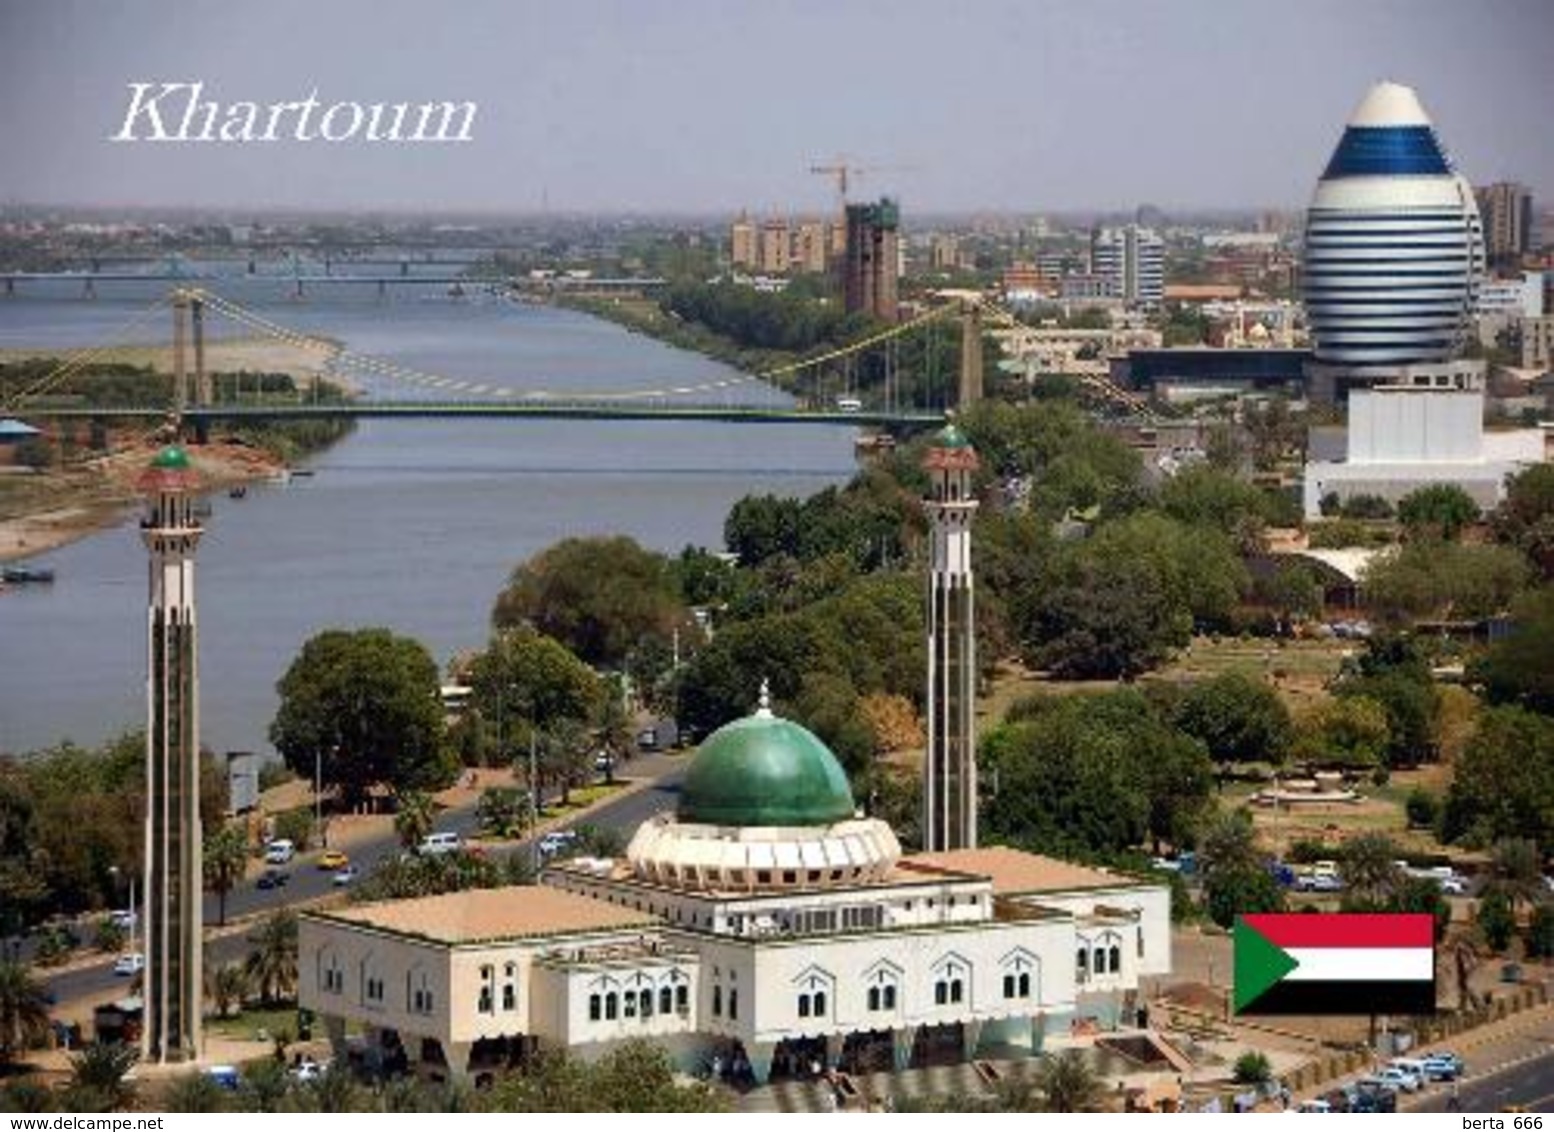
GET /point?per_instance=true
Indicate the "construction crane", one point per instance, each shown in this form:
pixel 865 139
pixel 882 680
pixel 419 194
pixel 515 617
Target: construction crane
pixel 843 171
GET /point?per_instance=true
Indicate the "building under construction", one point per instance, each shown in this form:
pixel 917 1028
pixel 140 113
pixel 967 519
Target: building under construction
pixel 872 259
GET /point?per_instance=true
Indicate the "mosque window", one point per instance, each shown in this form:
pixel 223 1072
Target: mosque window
pixel 611 1007
pixel 485 1006
pixel 956 989
pixel 804 1006
pixel 595 1008
pixel 665 1000
pixel 509 997
pixel 1082 961
pixel 1025 984
pixel 646 1008
pixel 790 876
pixel 1099 960
pixel 874 998
pixel 1115 959
pixel 682 999
pixel 763 876
pixel 630 1004
pixel 717 1001
pixel 1141 943
pixel 733 1003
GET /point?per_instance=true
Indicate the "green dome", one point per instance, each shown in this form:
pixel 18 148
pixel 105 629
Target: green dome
pixel 173 458
pixel 950 436
pixel 765 771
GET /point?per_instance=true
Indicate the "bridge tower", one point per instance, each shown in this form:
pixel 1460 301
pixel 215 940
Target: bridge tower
pixel 171 1030
pixel 950 770
pixel 970 355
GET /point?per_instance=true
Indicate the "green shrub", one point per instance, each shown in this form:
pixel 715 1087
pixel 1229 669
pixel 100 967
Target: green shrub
pixel 1253 1068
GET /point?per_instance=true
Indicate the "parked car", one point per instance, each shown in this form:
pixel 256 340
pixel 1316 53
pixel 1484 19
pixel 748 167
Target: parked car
pixel 280 851
pixel 130 963
pixel 123 918
pixel 603 761
pixel 345 876
pixel 272 878
pixel 225 1076
pixel 332 860
pixel 1448 1056
pixel 1453 886
pixel 307 1070
pixel 1438 1068
pixel 435 844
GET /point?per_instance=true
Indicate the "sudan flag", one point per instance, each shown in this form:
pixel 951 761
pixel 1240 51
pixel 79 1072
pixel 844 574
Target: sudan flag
pixel 1335 963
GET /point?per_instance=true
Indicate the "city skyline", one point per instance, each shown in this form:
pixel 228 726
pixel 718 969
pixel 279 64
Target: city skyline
pixel 604 107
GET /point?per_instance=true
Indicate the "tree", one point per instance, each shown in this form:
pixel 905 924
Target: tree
pixel 1503 785
pixel 1516 866
pixel 1540 932
pixel 1437 511
pixel 503 811
pixel 226 860
pixel 98 1077
pixel 1422 808
pixel 1349 732
pixel 1519 669
pixel 1291 589
pixel 24 1010
pixel 1370 872
pixel 635 1076
pixel 598 596
pixel 526 682
pixel 195 1092
pixel 1525 518
pixel 1204 495
pixel 228 986
pixel 1252 1068
pixel 1068 1082
pixel 1238 718
pixel 414 814
pixel 1235 881
pixel 272 962
pixel 369 702
pixel 1450 580
pixel 1496 919
pixel 1412 706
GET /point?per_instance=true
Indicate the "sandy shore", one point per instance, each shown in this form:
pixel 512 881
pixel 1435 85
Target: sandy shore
pixel 59 507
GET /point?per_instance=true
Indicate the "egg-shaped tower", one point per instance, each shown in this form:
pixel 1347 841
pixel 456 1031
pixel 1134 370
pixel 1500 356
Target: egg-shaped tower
pixel 1393 244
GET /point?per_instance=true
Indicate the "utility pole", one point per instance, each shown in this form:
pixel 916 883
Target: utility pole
pixel 534 806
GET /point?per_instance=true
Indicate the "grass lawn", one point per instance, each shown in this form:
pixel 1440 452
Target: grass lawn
pixel 581 797
pixel 248 1025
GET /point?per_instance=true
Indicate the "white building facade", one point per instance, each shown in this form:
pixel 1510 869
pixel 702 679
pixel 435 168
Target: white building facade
pixel 765 927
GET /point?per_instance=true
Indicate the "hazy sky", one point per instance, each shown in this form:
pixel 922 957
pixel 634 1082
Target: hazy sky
pixel 716 104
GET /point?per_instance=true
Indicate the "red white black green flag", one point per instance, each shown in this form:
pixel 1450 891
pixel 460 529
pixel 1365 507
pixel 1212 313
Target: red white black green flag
pixel 1335 963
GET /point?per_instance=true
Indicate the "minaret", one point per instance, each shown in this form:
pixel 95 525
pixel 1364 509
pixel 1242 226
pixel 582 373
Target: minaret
pixel 950 770
pixel 174 884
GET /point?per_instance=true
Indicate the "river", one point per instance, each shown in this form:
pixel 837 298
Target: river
pixel 414 525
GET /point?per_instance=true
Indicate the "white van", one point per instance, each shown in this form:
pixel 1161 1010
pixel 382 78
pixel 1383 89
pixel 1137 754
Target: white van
pixel 279 852
pixel 849 405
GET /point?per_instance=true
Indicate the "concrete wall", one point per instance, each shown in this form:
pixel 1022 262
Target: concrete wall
pixel 1393 426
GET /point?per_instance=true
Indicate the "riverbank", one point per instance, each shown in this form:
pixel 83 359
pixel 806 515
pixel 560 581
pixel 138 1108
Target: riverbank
pixel 44 510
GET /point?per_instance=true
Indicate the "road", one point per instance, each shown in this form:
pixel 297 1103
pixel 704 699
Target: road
pixel 307 881
pixel 1528 1084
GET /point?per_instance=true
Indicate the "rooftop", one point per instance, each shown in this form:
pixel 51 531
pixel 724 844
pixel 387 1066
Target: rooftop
pixel 1014 872
pixel 488 914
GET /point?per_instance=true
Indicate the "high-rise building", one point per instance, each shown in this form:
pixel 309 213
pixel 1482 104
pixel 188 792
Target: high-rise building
pixel 1393 248
pixel 872 261
pixel 950 770
pixel 174 972
pixel 1132 261
pixel 811 246
pixel 1506 208
pixel 774 246
pixel 745 247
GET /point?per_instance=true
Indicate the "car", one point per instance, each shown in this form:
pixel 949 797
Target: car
pixel 345 876
pixel 1447 1055
pixel 1166 864
pixel 603 761
pixel 272 878
pixel 1400 1078
pixel 435 844
pixel 123 918
pixel 557 840
pixel 1453 886
pixel 1315 1104
pixel 307 1070
pixel 280 851
pixel 130 963
pixel 332 860
pixel 1440 1068
pixel 225 1077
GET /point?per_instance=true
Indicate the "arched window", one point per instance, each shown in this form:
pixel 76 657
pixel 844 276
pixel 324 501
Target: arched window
pixel 1116 959
pixel 956 989
pixel 611 1007
pixel 820 1004
pixel 803 1005
pixel 1025 984
pixel 874 998
pixel 595 1008
pixel 1099 960
pixel 1082 960
pixel 665 1000
pixel 485 1006
pixel 717 1000
pixel 890 996
pixel 682 998
pixel 733 1002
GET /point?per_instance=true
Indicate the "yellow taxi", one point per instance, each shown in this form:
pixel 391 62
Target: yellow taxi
pixel 332 859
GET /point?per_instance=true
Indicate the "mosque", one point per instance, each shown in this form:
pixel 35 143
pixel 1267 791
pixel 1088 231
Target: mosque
pixel 764 924
pixel 767 926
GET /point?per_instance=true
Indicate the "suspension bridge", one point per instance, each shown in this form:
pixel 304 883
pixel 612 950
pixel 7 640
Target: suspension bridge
pixel 862 383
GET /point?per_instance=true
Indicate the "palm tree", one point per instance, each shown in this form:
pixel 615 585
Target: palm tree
pixel 1069 1083
pixel 228 986
pixel 1370 871
pixel 24 1010
pixel 97 1076
pixel 413 816
pixel 226 860
pixel 272 964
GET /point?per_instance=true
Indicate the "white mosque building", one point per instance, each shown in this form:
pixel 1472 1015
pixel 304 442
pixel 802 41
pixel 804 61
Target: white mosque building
pixel 765 924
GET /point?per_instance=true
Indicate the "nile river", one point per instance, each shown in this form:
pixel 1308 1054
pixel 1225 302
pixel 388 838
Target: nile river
pixel 413 525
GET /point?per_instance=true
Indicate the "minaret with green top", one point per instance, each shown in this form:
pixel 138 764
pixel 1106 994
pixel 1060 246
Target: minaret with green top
pixel 950 770
pixel 173 880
